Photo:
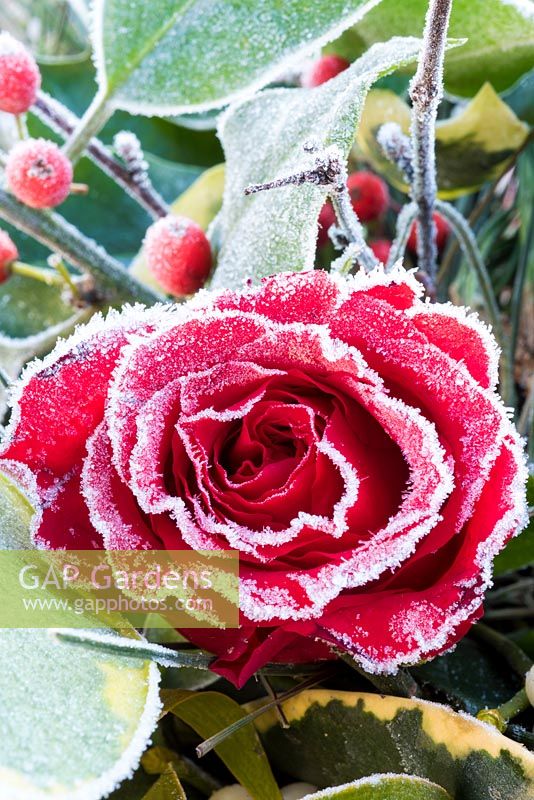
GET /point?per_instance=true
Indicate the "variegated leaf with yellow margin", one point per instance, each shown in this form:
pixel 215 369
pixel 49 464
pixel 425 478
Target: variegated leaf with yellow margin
pixel 201 202
pixel 73 722
pixel 335 737
pixel 471 148
pixel 383 787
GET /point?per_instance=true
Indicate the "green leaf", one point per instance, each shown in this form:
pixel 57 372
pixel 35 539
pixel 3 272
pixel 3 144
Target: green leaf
pixel 499 33
pixel 335 737
pixel 472 675
pixel 277 229
pixel 208 713
pixel 16 514
pixel 32 316
pixel 55 30
pixel 201 203
pixel 384 787
pixel 74 722
pixel 472 147
pixel 519 552
pixel 177 56
pixel 167 787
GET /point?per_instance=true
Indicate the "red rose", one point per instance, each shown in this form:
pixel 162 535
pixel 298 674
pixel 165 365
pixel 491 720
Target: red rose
pixel 343 435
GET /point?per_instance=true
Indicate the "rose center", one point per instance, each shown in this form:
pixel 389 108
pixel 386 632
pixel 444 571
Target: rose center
pixel 252 445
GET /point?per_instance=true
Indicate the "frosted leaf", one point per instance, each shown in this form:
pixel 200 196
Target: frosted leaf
pixel 168 57
pixel 383 787
pixel 499 36
pixel 74 721
pixel 16 513
pixel 276 230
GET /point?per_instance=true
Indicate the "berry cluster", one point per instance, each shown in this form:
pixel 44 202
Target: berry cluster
pixel 37 172
pixel 40 175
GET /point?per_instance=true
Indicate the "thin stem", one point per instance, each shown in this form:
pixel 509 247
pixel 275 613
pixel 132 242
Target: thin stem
pixel 88 126
pixel 48 276
pixel 113 281
pixel 56 263
pixel 22 130
pixel 135 648
pixel 469 246
pixel 498 717
pixel 5 379
pixel 518 703
pixel 61 120
pixel 510 613
pixel 516 305
pixel 426 91
pixel 329 170
pixel 351 227
pixel 209 744
pixel 405 221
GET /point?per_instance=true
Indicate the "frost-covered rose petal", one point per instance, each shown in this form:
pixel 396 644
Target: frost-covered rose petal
pixel 342 434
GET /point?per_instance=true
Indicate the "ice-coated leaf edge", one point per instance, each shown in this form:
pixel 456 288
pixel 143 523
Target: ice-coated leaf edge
pixel 128 762
pixel 373 780
pixel 268 75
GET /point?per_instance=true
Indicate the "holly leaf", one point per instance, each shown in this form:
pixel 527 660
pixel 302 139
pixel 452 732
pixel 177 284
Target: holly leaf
pixel 74 721
pixel 472 675
pixel 473 147
pixel 154 58
pixel 499 33
pixel 334 737
pixel 384 787
pixel 277 229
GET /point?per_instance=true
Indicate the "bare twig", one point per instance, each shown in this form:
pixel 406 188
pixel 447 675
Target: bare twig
pixel 63 121
pixel 426 91
pixel 330 170
pixel 405 221
pixel 397 147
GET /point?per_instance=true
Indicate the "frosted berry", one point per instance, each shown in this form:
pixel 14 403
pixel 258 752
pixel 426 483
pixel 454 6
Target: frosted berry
pixel 178 255
pixel 381 248
pixel 38 173
pixel 8 254
pixel 442 233
pixel 20 79
pixel 327 218
pixel 369 195
pixel 323 70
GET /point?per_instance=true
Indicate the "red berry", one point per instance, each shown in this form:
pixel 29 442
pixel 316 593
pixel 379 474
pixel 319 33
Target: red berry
pixel 442 233
pixel 20 78
pixel 327 218
pixel 369 195
pixel 8 254
pixel 323 70
pixel 178 255
pixel 381 248
pixel 38 173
